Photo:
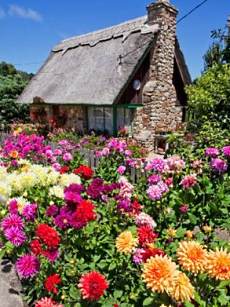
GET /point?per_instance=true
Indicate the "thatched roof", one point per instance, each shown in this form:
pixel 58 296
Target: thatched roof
pixel 92 68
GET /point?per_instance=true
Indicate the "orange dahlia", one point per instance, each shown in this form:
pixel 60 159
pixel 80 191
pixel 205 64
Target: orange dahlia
pixel 158 273
pixel 182 289
pixel 218 264
pixel 125 242
pixel 192 256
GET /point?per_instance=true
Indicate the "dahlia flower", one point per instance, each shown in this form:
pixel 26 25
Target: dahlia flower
pixel 84 171
pixel 27 266
pixel 47 302
pixel 138 255
pixel 211 152
pixel 51 283
pixel 145 219
pixel 192 256
pixel 121 169
pixel 219 165
pixel 29 212
pixel 15 235
pixel 12 220
pixel 181 289
pixel 92 285
pixel 218 264
pixel 146 235
pixel 158 273
pixel 188 181
pixel 226 151
pixel 48 235
pixel 84 213
pixel 125 242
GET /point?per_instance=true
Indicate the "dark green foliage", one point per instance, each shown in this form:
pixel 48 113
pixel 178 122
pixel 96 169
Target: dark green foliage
pixel 12 83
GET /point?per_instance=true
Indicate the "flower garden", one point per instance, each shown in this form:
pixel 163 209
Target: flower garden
pixel 91 237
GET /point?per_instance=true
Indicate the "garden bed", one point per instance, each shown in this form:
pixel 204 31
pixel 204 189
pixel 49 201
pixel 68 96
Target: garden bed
pixel 82 236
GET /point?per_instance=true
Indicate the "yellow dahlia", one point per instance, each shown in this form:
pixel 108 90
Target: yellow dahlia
pixel 218 264
pixel 158 273
pixel 182 289
pixel 125 242
pixel 192 256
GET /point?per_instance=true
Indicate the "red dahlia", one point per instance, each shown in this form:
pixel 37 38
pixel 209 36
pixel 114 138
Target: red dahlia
pixel 51 283
pixel 84 171
pixel 64 169
pixel 152 252
pixel 146 235
pixel 83 214
pixel 48 235
pixel 36 247
pixel 93 285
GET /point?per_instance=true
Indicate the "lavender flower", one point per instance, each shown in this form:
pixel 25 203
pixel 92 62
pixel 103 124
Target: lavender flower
pixel 154 192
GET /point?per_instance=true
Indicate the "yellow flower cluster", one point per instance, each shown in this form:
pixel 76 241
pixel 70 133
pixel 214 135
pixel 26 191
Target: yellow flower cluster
pixel 30 175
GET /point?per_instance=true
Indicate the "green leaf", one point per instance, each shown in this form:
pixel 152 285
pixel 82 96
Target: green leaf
pixel 73 292
pixel 148 301
pixel 117 294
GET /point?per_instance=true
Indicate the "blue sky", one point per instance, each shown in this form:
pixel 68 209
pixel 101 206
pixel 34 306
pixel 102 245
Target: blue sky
pixel 29 29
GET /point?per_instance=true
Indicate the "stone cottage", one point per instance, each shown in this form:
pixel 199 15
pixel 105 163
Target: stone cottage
pixel 130 75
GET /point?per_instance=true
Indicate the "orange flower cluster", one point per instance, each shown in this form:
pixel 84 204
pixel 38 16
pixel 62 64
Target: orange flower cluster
pixel 160 273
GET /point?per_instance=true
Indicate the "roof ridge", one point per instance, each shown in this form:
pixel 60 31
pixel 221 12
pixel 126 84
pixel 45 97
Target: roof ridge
pixel 104 29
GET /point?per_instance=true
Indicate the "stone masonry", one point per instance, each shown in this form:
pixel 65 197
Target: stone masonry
pixel 160 112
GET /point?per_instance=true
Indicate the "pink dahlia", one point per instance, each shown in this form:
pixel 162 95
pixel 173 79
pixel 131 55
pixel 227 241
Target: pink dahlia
pixel 15 235
pixel 92 286
pixel 219 165
pixel 226 151
pixel 212 152
pixel 12 220
pixel 188 181
pixel 27 266
pixel 47 302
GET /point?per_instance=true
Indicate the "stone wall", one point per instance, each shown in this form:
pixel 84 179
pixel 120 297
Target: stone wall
pixel 160 112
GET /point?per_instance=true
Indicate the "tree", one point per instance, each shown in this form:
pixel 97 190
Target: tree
pixel 12 83
pixel 219 51
pixel 209 96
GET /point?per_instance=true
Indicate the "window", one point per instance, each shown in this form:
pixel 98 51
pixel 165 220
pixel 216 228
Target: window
pixel 100 119
pixel 124 118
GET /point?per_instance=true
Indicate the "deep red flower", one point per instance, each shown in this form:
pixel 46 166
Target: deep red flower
pixel 83 214
pixel 136 207
pixel 84 171
pixel 115 305
pixel 36 247
pixel 146 235
pixel 51 283
pixel 64 169
pixel 152 252
pixel 48 235
pixel 93 285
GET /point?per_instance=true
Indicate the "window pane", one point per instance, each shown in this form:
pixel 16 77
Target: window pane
pixel 108 120
pixel 96 118
pixel 120 118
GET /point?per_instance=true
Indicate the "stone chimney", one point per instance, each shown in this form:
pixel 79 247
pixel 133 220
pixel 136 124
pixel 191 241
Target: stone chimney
pixel 160 112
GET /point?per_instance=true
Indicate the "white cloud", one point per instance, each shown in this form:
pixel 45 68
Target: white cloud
pixel 2 13
pixel 16 10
